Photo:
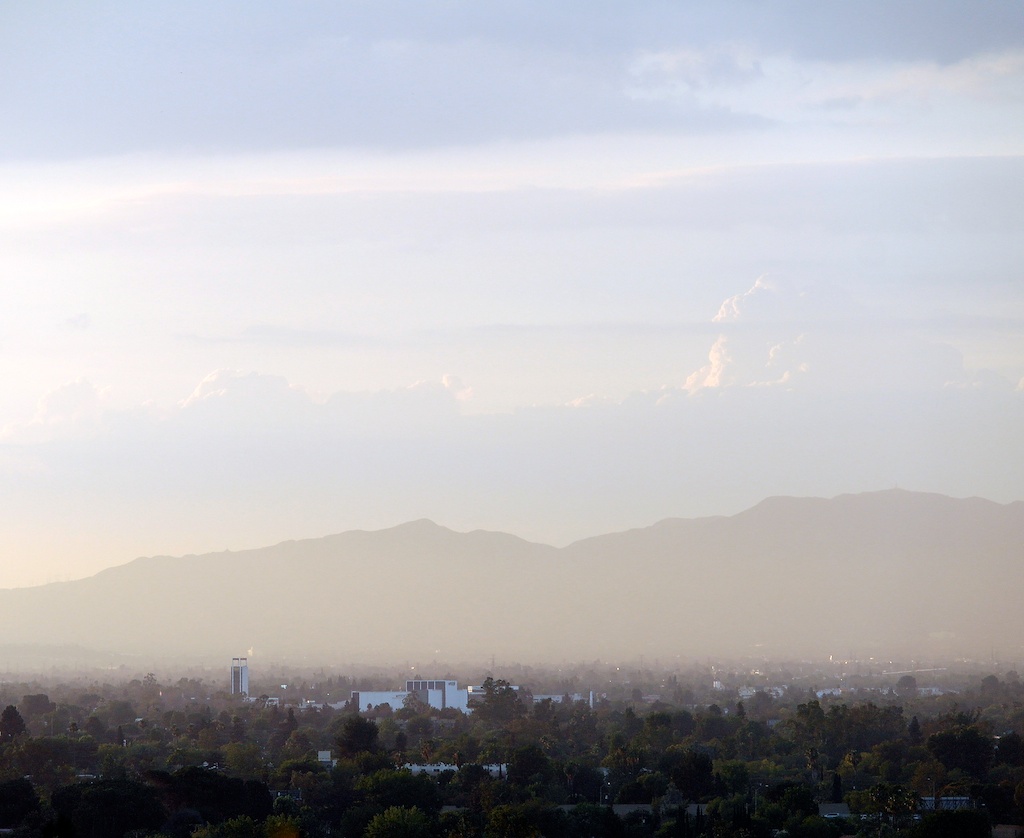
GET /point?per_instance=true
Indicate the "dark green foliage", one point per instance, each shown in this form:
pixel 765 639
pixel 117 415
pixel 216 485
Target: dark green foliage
pixel 182 824
pixel 590 820
pixel 216 797
pixel 815 827
pixel 400 822
pixel 357 736
pixel 965 748
pixel 732 777
pixel 644 789
pixel 38 704
pixel 18 799
pixel 241 827
pixel 11 723
pixel 528 766
pixel 355 819
pixel 400 788
pixel 997 800
pixel 557 753
pixel 95 728
pixel 914 731
pixel 691 771
pixel 283 775
pixel 472 786
pixel 837 788
pixel 962 824
pixel 526 820
pixel 108 808
pixel 1010 750
pixel 787 801
pixel 500 703
pixel 39 755
pixel 640 824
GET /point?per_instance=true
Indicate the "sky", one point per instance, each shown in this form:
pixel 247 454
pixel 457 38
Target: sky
pixel 278 270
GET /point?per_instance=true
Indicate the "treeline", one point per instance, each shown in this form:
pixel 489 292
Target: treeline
pixel 172 761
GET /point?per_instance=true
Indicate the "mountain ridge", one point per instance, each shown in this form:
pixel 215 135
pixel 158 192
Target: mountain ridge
pixel 880 570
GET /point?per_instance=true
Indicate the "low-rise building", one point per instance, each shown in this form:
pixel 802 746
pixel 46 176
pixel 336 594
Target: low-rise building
pixel 437 694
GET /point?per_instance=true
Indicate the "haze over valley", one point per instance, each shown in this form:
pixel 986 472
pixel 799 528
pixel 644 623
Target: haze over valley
pixel 542 274
pixel 871 575
pixel 473 419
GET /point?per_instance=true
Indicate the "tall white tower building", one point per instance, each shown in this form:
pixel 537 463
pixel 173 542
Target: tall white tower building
pixel 239 676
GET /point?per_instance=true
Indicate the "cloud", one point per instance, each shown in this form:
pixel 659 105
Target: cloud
pixel 713 374
pixel 264 78
pixel 70 401
pixel 411 83
pixel 455 385
pixel 779 88
pixel 73 409
pixel 688 74
pixel 779 333
pixel 78 322
pixel 731 308
pixel 243 392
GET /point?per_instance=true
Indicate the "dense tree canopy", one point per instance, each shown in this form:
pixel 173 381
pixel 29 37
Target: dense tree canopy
pixel 135 762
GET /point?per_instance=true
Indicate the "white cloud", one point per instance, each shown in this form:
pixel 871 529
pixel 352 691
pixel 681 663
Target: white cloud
pixel 73 409
pixel 732 308
pixel 714 373
pixel 815 338
pixel 247 390
pixel 455 385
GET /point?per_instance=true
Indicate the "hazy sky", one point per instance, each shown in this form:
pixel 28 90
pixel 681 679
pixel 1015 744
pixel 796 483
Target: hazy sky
pixel 275 270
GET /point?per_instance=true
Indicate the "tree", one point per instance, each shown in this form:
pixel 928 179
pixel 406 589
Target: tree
pixel 357 736
pixel 500 704
pixel 18 799
pixel 389 788
pixel 914 731
pixel 1010 749
pixel 691 771
pixel 38 704
pixel 108 808
pixel 522 820
pixel 399 822
pixel 528 765
pixel 962 824
pixel 967 749
pixel 216 797
pixel 11 723
pixel 907 686
pixel 241 827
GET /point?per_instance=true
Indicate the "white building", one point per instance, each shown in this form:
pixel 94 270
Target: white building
pixel 439 695
pixel 554 698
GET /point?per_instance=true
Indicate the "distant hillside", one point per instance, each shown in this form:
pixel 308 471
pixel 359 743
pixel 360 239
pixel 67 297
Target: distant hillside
pixel 890 572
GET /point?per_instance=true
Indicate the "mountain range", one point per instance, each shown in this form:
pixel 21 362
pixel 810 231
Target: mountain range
pixel 875 574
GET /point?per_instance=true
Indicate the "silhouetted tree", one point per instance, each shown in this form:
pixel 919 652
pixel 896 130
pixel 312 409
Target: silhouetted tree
pixel 11 723
pixel 18 799
pixel 967 749
pixel 357 736
pixel 500 703
pixel 108 808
